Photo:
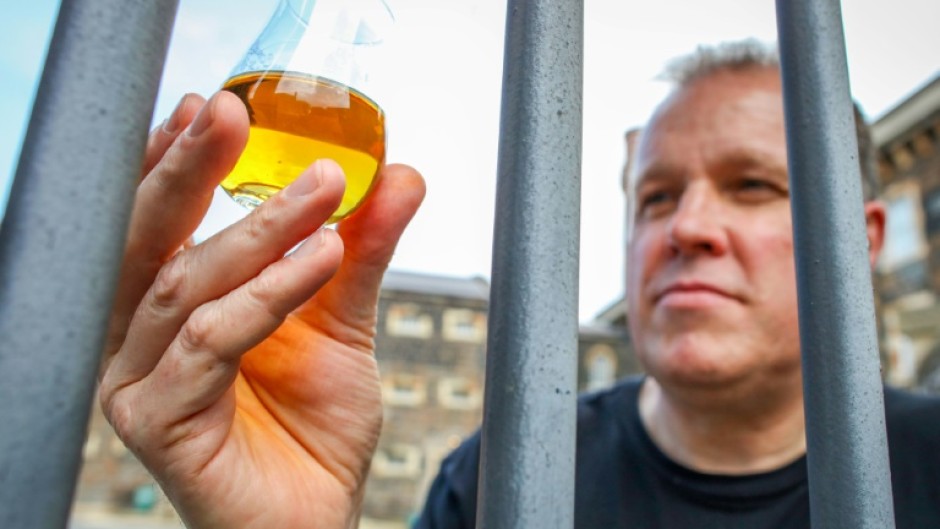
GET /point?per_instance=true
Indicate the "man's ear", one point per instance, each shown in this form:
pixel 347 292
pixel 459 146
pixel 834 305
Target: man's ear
pixel 875 215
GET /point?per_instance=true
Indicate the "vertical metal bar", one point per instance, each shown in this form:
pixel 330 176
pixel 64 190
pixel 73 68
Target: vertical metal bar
pixel 62 239
pixel 528 444
pixel 849 475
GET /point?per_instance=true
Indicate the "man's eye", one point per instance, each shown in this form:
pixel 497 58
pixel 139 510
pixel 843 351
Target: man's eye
pixel 756 188
pixel 753 183
pixel 654 201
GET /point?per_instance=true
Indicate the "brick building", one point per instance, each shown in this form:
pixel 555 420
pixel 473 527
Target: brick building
pixel 430 344
pixel 908 273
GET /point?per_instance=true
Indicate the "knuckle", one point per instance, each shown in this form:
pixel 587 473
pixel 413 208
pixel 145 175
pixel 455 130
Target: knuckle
pixel 196 333
pixel 127 424
pixel 120 414
pixel 260 292
pixel 169 286
pixel 261 223
pixel 259 296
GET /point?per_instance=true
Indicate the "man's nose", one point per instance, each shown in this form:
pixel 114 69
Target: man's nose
pixel 697 226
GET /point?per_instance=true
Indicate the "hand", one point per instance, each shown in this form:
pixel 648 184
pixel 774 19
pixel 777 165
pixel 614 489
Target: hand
pixel 244 380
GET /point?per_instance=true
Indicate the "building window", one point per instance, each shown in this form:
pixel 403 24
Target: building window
pixel 406 319
pixel 400 389
pixel 397 461
pixel 601 365
pixel 904 233
pixel 464 325
pixel 459 393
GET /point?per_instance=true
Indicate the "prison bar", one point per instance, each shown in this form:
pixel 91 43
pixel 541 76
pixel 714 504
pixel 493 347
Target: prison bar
pixel 847 448
pixel 62 239
pixel 528 436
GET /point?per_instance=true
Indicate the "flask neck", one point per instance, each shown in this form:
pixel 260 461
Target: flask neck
pixel 299 9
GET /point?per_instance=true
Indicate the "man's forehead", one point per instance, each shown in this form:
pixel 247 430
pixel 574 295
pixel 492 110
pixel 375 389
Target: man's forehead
pixel 710 108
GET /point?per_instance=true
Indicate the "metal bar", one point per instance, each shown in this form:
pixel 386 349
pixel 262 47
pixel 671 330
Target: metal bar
pixel 528 443
pixel 849 475
pixel 62 239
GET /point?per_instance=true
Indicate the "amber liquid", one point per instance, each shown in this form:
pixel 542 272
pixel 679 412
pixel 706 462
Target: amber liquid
pixel 297 119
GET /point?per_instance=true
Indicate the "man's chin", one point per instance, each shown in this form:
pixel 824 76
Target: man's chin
pixel 722 380
pixel 698 367
pixel 700 378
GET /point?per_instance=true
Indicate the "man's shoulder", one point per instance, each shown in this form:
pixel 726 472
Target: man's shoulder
pixel 912 416
pixel 904 402
pixel 625 388
pixel 609 405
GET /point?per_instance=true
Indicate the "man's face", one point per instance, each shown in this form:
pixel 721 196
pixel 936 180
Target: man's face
pixel 711 285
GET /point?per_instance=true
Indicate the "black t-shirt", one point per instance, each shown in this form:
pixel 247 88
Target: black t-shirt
pixel 624 480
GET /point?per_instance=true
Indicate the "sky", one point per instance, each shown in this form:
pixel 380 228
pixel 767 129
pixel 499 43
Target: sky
pixel 442 97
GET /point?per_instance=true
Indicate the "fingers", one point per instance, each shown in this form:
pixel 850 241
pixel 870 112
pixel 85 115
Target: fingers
pixel 203 359
pixel 180 187
pixel 226 262
pixel 166 133
pixel 370 237
pixel 187 164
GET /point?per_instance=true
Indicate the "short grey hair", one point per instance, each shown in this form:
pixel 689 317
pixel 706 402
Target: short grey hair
pixel 752 54
pixel 742 55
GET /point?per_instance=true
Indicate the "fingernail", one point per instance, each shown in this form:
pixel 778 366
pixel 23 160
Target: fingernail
pixel 203 119
pixel 311 245
pixel 172 124
pixel 307 182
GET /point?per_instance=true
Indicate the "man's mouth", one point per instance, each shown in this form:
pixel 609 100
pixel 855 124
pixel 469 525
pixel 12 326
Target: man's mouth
pixel 692 294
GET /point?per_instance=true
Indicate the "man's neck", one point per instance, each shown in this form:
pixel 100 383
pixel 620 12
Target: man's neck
pixel 726 435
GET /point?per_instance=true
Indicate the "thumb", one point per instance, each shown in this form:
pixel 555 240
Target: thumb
pixel 369 236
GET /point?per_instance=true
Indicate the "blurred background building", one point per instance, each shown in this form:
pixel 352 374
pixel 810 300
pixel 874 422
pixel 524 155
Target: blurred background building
pixel 908 273
pixel 431 343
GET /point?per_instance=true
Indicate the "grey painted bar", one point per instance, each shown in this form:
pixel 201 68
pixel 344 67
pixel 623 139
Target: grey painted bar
pixel 849 476
pixel 62 239
pixel 528 443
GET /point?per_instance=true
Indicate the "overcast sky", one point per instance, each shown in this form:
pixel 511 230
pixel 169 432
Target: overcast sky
pixel 443 92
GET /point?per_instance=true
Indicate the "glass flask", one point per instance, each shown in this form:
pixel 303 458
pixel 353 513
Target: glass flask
pixel 305 82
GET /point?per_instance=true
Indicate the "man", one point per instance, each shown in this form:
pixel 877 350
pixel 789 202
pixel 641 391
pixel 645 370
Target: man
pixel 246 381
pixel 714 435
